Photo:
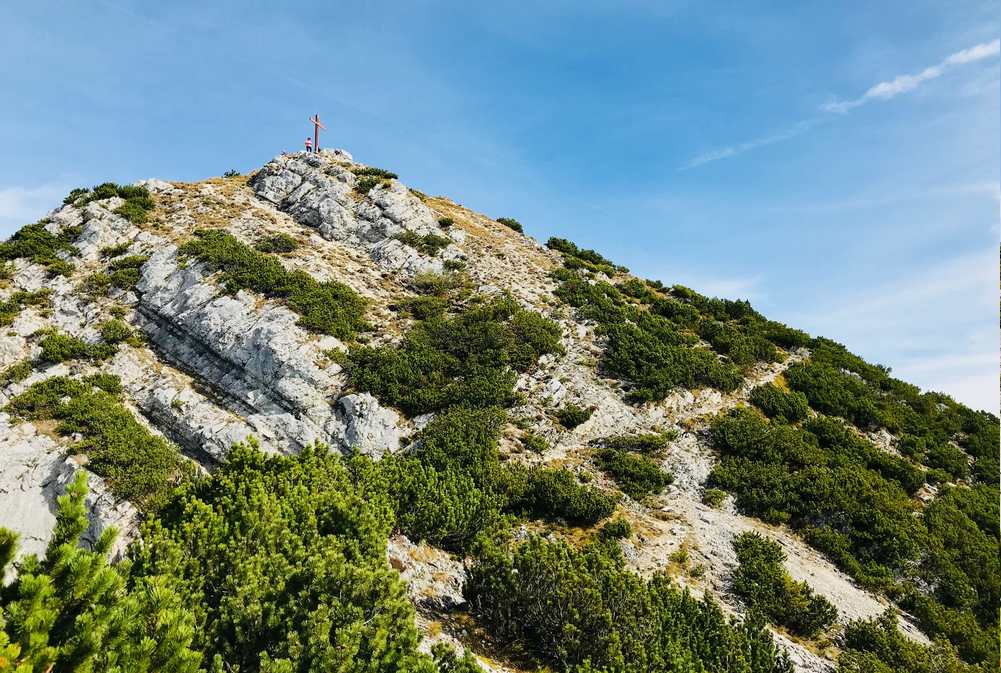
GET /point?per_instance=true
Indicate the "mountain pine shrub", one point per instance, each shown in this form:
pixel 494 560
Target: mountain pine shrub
pixel 72 611
pixel 470 358
pixel 636 474
pixel 571 416
pixel 11 307
pixel 426 244
pixel 138 465
pixel 37 244
pixel 580 610
pixel 775 402
pixel 282 561
pixel 511 223
pixel 765 586
pixel 278 243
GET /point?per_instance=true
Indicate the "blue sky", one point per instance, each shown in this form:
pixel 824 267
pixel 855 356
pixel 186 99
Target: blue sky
pixel 836 163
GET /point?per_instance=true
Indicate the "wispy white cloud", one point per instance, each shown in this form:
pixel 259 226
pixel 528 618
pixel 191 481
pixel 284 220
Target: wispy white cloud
pixel 732 150
pixel 879 92
pixel 21 205
pixel 904 83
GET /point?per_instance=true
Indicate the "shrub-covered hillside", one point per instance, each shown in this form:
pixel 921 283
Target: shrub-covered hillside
pixel 311 419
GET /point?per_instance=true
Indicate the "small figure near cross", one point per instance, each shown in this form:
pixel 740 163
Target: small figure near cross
pixel 314 146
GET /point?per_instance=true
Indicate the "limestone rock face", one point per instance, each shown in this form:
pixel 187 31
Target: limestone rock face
pixel 368 426
pixel 252 352
pixel 34 472
pixel 321 194
pixel 434 579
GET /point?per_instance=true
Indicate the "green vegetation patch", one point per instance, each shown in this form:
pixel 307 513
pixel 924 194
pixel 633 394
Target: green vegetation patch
pixel 571 416
pixel 581 610
pixel 839 383
pixel 11 307
pixel 328 307
pixel 777 403
pixel 372 171
pixel 138 465
pixel 37 244
pixel 765 586
pixel 511 223
pixel 17 372
pixel 272 553
pixel 878 646
pixel 71 610
pixel 427 244
pixel 616 529
pixel 138 201
pixel 469 358
pixel 60 347
pixel 651 353
pixel 534 443
pixel 556 494
pixel 583 258
pixel 636 474
pixel 450 486
pixel 652 331
pixel 852 501
pixel 279 243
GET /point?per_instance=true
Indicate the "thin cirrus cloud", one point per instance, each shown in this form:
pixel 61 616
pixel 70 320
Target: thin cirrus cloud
pixel 904 83
pixel 882 91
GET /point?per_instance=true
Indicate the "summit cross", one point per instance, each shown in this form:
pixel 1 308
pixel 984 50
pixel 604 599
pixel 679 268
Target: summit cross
pixel 315 119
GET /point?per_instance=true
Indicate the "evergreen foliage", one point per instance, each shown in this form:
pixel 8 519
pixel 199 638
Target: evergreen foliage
pixel 282 562
pixel 278 243
pixel 765 586
pixel 636 474
pixel 583 258
pixel 72 611
pixel 838 383
pixel 17 372
pixel 777 403
pixel 37 244
pixel 11 307
pixel 470 358
pixel 374 172
pixel 367 183
pixel 138 465
pixel 534 443
pixel 580 610
pixel 571 416
pixel 138 202
pixel 60 347
pixel 329 307
pixel 511 223
pixel 713 497
pixel 878 646
pixel 850 500
pixel 427 244
pixel 650 352
pixel 555 494
pixel 616 529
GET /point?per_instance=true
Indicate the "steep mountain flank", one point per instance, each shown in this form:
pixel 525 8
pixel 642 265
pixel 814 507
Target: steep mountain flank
pixel 346 424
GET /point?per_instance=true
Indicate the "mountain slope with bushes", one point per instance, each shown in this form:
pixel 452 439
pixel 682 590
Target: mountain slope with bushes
pixel 312 419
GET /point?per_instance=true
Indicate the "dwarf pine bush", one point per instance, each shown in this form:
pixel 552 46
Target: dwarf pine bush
pixel 765 586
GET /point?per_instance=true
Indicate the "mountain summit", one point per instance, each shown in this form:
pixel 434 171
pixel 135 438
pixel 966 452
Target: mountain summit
pixel 339 424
